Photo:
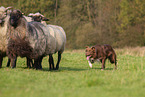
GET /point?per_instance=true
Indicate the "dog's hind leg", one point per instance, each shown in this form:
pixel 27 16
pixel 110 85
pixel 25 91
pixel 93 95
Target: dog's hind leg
pixel 115 65
pixel 103 63
pixel 112 59
pixel 115 61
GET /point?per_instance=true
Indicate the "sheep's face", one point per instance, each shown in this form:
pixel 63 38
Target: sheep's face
pixel 37 18
pixel 2 17
pixel 15 17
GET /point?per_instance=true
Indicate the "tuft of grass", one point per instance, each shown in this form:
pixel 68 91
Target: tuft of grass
pixel 75 79
pixel 136 51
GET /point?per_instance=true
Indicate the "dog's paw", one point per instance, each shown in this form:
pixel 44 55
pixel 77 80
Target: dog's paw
pixel 102 69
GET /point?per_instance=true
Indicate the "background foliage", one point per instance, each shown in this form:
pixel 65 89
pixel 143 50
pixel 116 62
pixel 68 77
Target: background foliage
pixel 88 22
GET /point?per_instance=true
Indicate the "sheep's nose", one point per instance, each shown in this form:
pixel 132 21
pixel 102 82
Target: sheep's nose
pixel 91 60
pixel 12 22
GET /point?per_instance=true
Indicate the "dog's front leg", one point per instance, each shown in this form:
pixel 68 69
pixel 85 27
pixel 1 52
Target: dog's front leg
pixel 90 64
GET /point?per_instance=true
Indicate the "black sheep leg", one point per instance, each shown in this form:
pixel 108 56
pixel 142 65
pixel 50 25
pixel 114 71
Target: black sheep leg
pixel 8 63
pixel 36 63
pixel 31 62
pixel 58 61
pixel 39 64
pixel 13 62
pixel 51 62
pixel 1 60
pixel 28 63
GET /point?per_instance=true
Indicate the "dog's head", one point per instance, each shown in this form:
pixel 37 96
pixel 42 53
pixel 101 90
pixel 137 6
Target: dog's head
pixel 90 53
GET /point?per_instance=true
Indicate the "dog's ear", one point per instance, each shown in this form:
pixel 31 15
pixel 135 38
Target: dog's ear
pixel 93 48
pixel 87 46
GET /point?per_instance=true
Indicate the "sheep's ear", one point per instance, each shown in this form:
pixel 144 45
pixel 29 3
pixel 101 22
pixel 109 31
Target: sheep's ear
pixel 30 15
pixel 45 19
pixel 19 12
pixel 8 8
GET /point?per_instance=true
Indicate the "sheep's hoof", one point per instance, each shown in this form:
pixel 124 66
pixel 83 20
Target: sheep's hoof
pixel 56 69
pixel 50 69
pixel 13 67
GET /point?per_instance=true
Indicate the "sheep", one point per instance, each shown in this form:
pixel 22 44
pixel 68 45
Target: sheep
pixel 4 17
pixel 32 40
pixel 27 39
pixel 29 19
pixel 3 29
pixel 38 17
pixel 60 38
pixel 59 43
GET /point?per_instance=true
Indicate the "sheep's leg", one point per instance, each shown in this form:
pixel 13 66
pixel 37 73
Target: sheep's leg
pixel 58 61
pixel 31 61
pixel 51 62
pixel 1 60
pixel 36 63
pixel 8 63
pixel 39 64
pixel 13 62
pixel 28 63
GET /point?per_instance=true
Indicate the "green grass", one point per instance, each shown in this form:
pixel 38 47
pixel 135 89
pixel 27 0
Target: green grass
pixel 75 78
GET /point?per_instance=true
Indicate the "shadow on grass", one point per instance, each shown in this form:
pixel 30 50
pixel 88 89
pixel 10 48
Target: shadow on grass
pixel 104 69
pixel 65 69
pixel 60 69
pixel 73 69
pixel 108 68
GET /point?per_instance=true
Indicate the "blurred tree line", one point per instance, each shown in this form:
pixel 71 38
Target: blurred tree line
pixel 88 22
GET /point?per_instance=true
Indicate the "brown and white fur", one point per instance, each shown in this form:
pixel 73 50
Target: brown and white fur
pixel 101 53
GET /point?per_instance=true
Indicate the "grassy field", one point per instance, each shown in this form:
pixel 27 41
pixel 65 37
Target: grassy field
pixel 76 79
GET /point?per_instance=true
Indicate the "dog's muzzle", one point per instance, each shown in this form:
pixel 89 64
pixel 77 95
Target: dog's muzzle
pixel 91 60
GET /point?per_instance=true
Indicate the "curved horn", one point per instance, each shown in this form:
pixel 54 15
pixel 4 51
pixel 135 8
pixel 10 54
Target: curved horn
pixel 42 15
pixel 8 8
pixel 38 14
pixel 30 15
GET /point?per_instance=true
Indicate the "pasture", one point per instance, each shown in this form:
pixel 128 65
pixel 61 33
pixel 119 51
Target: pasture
pixel 75 79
